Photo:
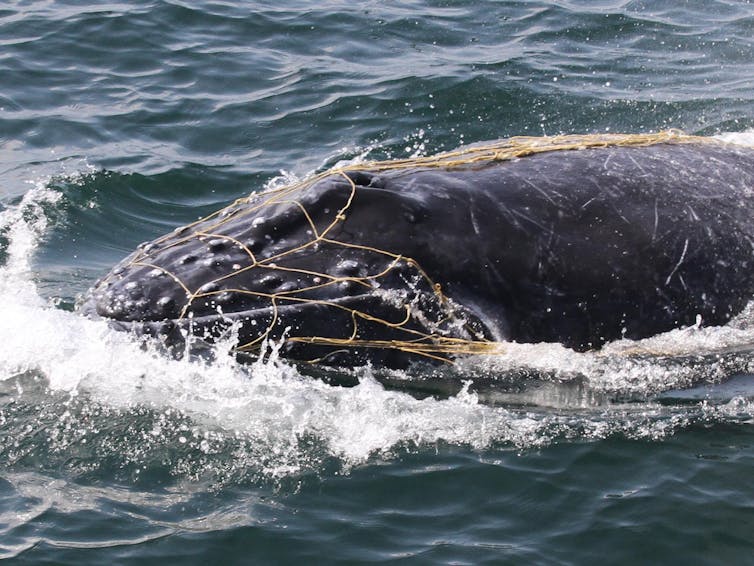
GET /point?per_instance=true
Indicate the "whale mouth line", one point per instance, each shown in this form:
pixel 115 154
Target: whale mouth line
pixel 315 329
pixel 276 315
pixel 247 315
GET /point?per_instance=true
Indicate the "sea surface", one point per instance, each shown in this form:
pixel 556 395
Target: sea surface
pixel 120 121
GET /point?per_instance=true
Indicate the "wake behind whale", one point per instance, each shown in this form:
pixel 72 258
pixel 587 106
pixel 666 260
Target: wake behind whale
pixel 579 240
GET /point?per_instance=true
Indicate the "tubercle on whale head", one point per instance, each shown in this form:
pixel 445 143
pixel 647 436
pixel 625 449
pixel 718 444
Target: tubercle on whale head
pixel 285 261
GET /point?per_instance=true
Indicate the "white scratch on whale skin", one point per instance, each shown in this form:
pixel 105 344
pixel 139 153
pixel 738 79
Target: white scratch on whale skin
pixel 680 261
pixel 657 221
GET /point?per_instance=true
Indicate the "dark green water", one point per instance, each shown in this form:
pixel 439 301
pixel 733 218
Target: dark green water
pixel 120 121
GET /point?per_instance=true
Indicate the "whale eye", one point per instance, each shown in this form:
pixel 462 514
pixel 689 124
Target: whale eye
pixel 188 258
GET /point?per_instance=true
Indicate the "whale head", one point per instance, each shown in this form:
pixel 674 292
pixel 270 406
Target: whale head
pixel 298 266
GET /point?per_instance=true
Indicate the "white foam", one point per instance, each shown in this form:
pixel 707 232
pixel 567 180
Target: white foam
pixel 739 138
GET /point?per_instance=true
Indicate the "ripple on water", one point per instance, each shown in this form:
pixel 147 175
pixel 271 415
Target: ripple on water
pixel 132 118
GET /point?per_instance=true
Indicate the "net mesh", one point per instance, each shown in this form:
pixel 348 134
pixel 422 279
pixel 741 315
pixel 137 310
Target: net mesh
pixel 410 332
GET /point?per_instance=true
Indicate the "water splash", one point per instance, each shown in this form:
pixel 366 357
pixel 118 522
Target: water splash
pixel 745 138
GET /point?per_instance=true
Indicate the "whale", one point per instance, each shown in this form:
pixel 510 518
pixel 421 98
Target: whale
pixel 577 240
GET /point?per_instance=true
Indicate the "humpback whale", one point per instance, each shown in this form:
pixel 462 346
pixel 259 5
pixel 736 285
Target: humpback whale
pixel 579 240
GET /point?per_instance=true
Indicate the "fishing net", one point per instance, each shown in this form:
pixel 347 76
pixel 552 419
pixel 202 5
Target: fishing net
pixel 438 336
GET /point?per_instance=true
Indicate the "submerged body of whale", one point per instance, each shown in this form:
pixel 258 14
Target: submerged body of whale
pixel 576 247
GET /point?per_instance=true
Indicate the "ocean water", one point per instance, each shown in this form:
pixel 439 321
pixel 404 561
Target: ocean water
pixel 121 120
